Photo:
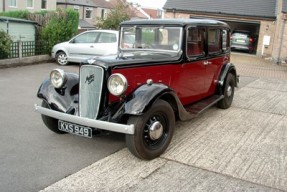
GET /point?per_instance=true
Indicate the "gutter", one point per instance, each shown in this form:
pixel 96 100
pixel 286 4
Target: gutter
pixel 222 14
pixel 279 60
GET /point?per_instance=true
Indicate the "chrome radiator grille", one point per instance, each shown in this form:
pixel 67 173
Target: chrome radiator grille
pixel 91 83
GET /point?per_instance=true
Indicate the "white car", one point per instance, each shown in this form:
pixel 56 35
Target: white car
pixel 85 45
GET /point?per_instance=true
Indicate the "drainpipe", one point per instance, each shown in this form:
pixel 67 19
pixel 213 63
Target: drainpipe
pixel 7 22
pixel 4 5
pixel 279 60
pixel 173 10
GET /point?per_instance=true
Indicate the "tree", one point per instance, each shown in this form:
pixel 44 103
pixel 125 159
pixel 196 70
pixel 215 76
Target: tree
pixel 121 13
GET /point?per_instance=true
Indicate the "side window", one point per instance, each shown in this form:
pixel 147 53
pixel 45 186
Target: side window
pixel 90 37
pixel 44 4
pixel 107 38
pixel 195 42
pixel 214 41
pixel 225 40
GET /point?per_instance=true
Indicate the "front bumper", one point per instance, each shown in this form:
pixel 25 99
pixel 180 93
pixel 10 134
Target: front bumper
pixel 109 126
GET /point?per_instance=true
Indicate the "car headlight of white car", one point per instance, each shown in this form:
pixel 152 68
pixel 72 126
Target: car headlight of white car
pixel 117 84
pixel 58 78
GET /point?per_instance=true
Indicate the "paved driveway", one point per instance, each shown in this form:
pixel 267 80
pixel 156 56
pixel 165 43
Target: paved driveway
pixel 243 148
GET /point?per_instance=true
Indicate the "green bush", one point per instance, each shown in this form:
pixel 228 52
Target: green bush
pixel 61 26
pixel 21 14
pixel 53 26
pixel 5 44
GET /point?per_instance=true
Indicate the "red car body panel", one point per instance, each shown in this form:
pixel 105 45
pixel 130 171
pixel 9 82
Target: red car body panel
pixel 192 81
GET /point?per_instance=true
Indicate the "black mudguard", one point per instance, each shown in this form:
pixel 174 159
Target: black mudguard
pixel 226 69
pixel 143 97
pixel 65 99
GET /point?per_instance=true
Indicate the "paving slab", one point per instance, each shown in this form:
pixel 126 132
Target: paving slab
pixel 179 177
pixel 268 96
pixel 123 172
pixel 241 143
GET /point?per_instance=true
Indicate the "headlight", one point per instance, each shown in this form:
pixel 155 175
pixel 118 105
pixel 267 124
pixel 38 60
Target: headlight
pixel 117 84
pixel 58 78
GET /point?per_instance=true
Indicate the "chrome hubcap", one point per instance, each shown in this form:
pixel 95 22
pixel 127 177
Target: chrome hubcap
pixel 229 91
pixel 62 59
pixel 155 130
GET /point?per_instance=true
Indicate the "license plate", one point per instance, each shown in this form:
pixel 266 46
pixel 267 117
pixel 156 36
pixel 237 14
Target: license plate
pixel 75 129
pixel 240 41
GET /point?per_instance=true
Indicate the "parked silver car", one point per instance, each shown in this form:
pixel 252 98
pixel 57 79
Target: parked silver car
pixel 85 45
pixel 243 40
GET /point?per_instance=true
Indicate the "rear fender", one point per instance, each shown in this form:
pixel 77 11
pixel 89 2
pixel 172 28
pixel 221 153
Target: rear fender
pixel 227 68
pixel 65 99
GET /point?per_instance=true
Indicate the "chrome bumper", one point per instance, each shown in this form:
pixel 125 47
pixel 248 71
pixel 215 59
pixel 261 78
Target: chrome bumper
pixel 115 127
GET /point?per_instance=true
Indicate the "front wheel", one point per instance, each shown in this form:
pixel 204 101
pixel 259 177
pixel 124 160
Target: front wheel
pixel 50 122
pixel 153 131
pixel 62 58
pixel 228 92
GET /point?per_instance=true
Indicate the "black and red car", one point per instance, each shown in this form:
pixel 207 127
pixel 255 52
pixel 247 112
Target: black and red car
pixel 174 70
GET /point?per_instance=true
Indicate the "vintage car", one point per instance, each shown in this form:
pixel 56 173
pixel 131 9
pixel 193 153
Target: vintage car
pixel 174 70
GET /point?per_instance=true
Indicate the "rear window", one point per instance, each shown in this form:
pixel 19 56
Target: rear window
pixel 244 35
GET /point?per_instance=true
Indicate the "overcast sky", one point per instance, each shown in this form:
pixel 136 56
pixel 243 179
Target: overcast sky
pixel 149 3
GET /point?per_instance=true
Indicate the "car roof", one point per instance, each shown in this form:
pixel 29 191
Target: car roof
pixel 176 22
pixel 100 30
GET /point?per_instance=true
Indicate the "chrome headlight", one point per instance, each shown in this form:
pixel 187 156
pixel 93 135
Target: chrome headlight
pixel 58 78
pixel 117 84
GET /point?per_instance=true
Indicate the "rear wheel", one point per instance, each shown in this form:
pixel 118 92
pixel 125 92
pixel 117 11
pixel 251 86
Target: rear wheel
pixel 61 58
pixel 228 92
pixel 50 122
pixel 153 131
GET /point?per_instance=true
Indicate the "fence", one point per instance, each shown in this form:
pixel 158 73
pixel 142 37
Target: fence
pixel 25 49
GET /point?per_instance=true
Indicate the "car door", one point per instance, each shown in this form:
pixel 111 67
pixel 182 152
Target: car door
pixel 82 46
pixel 107 44
pixel 217 47
pixel 193 71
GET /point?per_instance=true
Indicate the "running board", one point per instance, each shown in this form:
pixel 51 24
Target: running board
pixel 199 107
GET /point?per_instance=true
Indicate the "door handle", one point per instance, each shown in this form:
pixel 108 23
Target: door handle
pixel 92 46
pixel 206 63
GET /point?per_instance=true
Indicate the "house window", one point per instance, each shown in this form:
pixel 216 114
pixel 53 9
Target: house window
pixel 89 13
pixel 43 4
pixel 76 8
pixel 12 3
pixel 104 14
pixel 30 3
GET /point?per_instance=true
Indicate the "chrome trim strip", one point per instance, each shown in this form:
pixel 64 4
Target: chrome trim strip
pixel 109 126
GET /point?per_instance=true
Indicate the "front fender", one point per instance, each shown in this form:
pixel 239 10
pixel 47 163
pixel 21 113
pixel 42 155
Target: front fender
pixel 143 97
pixel 64 99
